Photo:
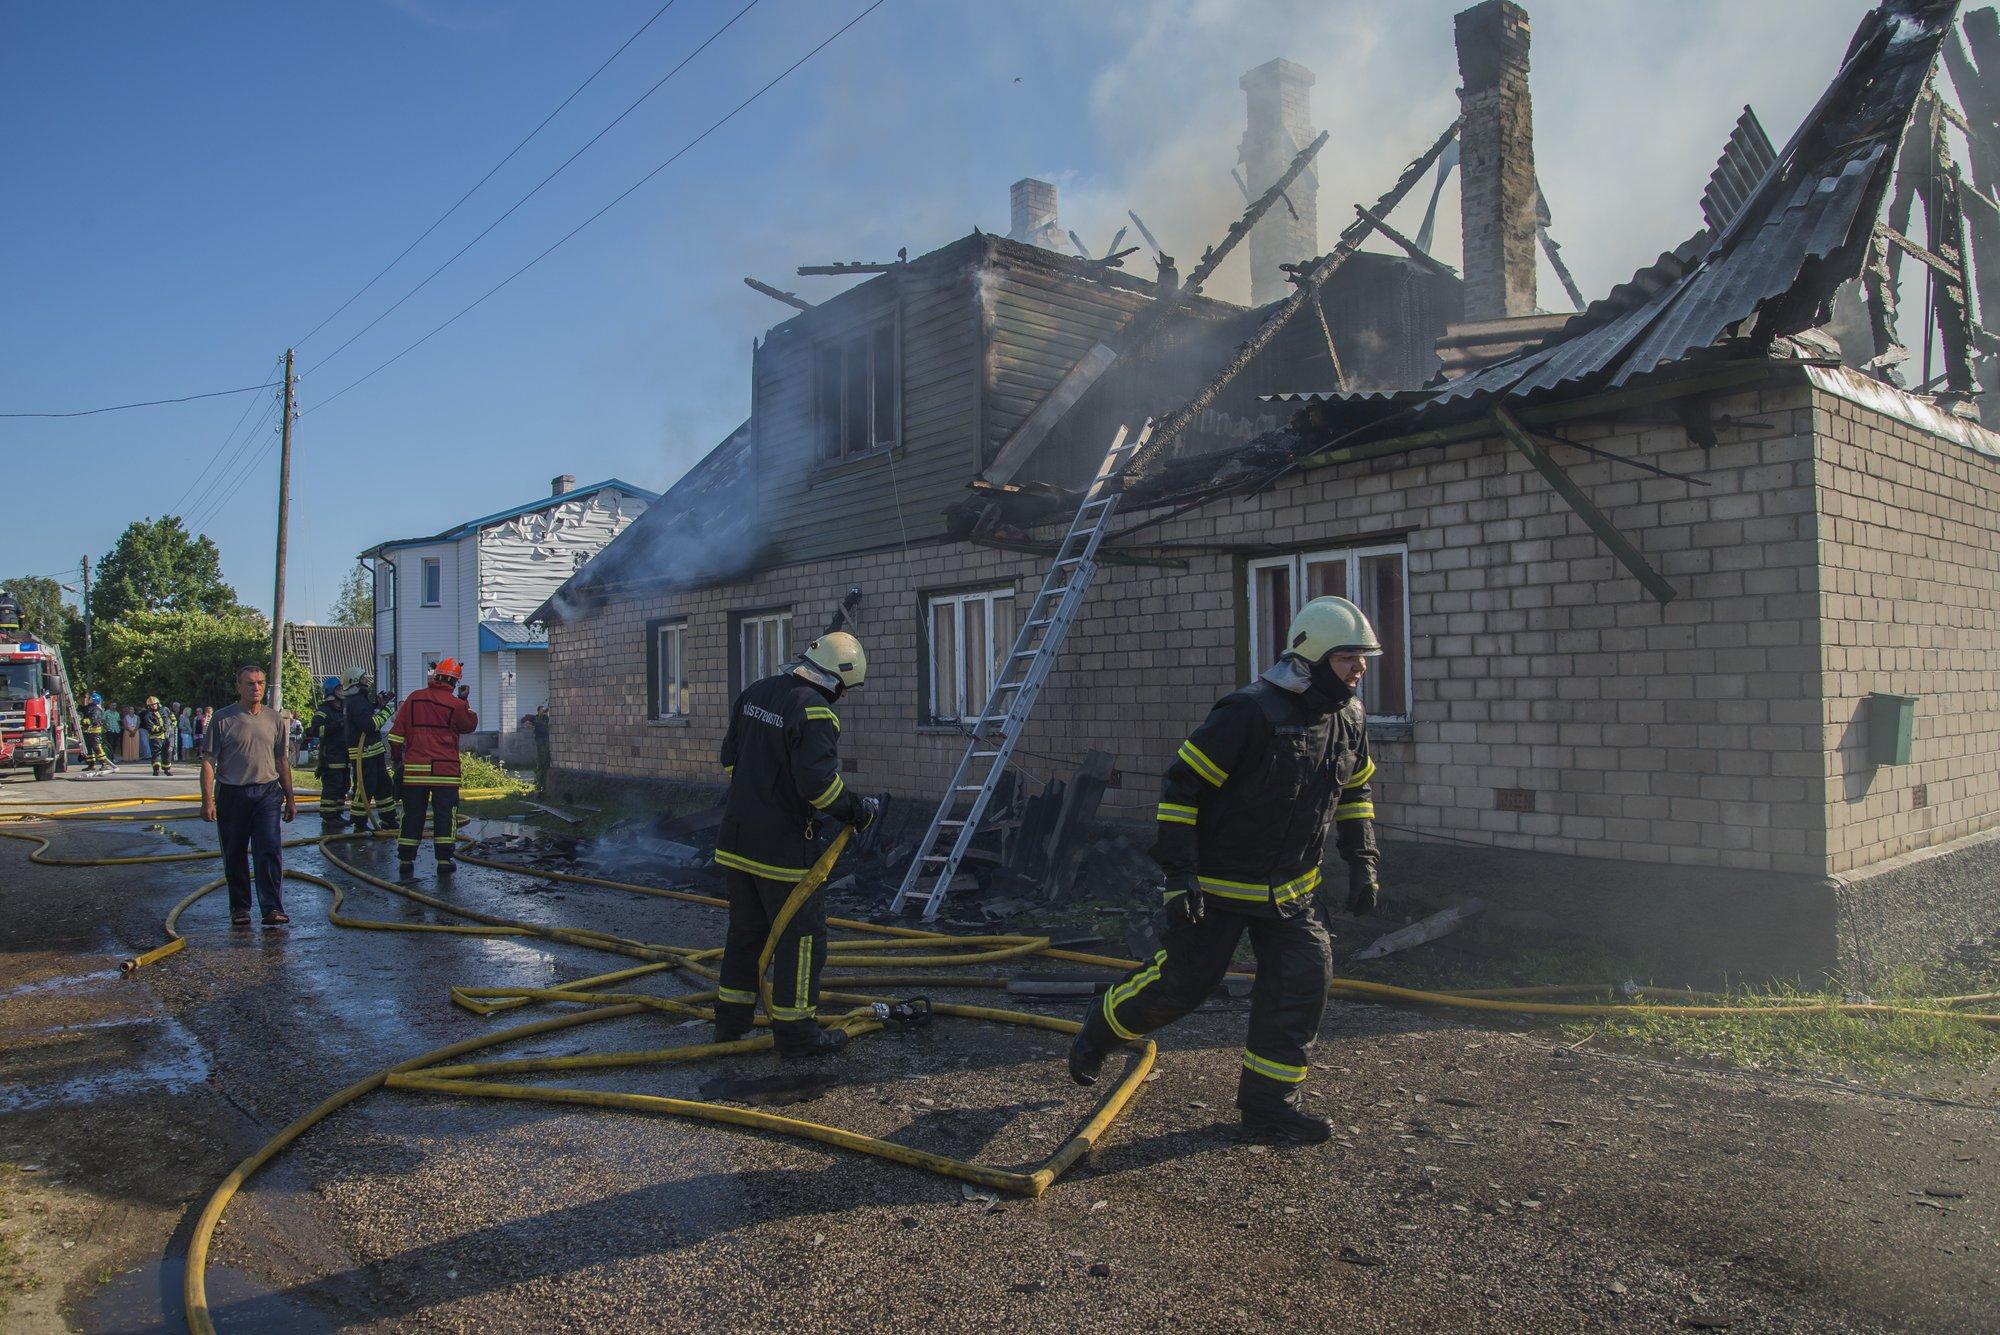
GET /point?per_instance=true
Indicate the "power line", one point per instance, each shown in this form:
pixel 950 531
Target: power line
pixel 226 457
pixel 489 174
pixel 214 457
pixel 148 403
pixel 616 200
pixel 511 208
pixel 241 466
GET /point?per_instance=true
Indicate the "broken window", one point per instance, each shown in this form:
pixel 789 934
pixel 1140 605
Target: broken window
pixel 970 633
pixel 1373 578
pixel 760 645
pixel 666 669
pixel 854 392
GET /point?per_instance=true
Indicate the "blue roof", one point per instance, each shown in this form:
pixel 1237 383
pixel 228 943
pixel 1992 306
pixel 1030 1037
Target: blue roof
pixel 497 635
pixel 500 516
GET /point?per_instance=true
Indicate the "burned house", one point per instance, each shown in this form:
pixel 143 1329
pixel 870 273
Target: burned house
pixel 1690 611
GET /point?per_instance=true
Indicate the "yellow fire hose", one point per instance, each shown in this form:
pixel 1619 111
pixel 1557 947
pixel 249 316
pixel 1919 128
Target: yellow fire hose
pixel 428 1073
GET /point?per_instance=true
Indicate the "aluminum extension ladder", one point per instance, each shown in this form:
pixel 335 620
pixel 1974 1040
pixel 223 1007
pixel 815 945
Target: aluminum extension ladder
pixel 1016 684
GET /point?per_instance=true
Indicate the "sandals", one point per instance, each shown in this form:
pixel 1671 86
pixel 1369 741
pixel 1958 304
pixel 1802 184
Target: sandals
pixel 239 920
pixel 275 920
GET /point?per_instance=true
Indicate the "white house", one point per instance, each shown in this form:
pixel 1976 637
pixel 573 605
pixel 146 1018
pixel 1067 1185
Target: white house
pixel 464 593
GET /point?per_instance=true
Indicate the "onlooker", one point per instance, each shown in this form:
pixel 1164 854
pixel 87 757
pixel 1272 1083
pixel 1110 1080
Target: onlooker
pixel 246 789
pixel 128 735
pixel 538 723
pixel 184 715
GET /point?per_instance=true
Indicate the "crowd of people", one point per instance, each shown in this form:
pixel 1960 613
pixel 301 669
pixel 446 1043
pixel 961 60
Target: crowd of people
pixel 159 734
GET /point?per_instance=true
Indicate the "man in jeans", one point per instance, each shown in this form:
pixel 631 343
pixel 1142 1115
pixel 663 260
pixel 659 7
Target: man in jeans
pixel 246 789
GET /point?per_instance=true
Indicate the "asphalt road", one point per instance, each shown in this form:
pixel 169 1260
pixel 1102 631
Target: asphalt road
pixel 1486 1178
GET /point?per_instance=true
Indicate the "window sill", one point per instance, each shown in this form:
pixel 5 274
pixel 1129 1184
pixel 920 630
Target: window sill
pixel 1391 730
pixel 669 721
pixel 827 470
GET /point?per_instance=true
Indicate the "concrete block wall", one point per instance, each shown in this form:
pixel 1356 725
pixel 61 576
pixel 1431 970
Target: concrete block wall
pixel 1910 571
pixel 1686 735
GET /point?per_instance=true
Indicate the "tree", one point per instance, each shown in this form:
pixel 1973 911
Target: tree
pixel 191 657
pixel 158 566
pixel 354 605
pixel 42 611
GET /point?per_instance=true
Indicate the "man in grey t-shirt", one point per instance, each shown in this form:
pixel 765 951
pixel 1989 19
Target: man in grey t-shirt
pixel 246 789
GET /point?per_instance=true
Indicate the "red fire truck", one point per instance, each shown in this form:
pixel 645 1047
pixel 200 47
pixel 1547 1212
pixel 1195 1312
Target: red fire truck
pixel 39 725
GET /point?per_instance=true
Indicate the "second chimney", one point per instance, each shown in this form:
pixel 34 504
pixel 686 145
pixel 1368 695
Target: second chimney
pixel 1034 214
pixel 559 485
pixel 1279 94
pixel 1497 191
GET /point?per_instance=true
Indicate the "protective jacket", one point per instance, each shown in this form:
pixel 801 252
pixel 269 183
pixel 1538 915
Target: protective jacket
pixel 1249 796
pixel 424 734
pixel 329 725
pixel 782 752
pixel 93 718
pixel 158 722
pixel 365 722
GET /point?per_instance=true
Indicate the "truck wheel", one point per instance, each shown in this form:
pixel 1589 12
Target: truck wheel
pixel 45 770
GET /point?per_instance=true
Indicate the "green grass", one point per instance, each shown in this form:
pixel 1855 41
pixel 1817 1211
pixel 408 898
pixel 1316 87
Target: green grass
pixel 14 1276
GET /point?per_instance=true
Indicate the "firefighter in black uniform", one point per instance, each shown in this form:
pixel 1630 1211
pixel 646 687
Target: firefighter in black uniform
pixel 372 798
pixel 94 759
pixel 1242 830
pixel 329 729
pixel 160 726
pixel 782 753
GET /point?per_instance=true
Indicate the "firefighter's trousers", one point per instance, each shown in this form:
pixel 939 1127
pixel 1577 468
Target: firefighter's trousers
pixel 332 771
pixel 1286 1002
pixel 372 795
pixel 754 904
pixel 442 801
pixel 93 749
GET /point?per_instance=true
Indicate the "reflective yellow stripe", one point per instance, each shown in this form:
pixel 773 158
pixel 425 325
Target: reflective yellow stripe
pixel 1283 893
pixel 1354 811
pixel 737 862
pixel 736 996
pixel 416 767
pixel 1362 775
pixel 821 711
pixel 729 770
pixel 833 790
pixel 1174 814
pixel 395 737
pixel 1128 989
pixel 802 986
pixel 1201 764
pixel 1264 1066
pixel 794 1012
pixel 428 781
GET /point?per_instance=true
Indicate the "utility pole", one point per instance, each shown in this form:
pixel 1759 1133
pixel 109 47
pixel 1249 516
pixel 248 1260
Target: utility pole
pixel 86 610
pixel 277 686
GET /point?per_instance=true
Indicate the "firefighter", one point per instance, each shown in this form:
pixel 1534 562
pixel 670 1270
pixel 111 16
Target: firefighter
pixel 160 726
pixel 371 800
pixel 423 748
pixel 95 761
pixel 782 754
pixel 1242 827
pixel 329 730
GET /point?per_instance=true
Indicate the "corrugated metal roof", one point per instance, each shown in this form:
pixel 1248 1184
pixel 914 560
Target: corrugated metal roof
pixel 331 651
pixel 500 516
pixel 1805 229
pixel 497 635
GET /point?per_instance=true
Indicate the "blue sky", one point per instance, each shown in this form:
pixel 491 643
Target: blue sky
pixel 192 187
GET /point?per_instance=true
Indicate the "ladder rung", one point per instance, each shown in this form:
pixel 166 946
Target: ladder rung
pixel 943 823
pixel 984 754
pixel 968 787
pixel 936 857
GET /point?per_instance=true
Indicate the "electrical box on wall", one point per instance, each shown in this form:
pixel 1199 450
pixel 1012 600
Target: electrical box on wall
pixel 1891 722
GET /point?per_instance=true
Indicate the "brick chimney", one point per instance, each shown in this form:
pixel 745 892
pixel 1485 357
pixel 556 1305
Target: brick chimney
pixel 1497 193
pixel 562 483
pixel 1279 94
pixel 1034 214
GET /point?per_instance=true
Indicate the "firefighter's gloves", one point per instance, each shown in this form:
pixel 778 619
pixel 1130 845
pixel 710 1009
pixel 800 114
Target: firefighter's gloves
pixel 865 813
pixel 1184 898
pixel 1364 892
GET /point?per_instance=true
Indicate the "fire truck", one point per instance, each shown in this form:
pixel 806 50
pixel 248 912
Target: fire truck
pixel 40 728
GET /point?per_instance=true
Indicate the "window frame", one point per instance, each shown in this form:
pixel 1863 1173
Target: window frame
pixel 1350 558
pixel 656 630
pixel 873 332
pixel 426 565
pixel 739 667
pixel 988 596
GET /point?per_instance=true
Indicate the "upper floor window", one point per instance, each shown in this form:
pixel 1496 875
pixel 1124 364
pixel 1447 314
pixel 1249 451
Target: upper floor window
pixel 433 581
pixel 854 392
pixel 1373 578
pixel 970 635
pixel 761 645
pixel 385 595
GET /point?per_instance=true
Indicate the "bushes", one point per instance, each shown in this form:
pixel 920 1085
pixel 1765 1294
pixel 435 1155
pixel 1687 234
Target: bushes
pixel 477 771
pixel 188 656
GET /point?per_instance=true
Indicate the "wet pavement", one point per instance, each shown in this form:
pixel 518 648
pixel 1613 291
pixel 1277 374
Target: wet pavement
pixel 1484 1178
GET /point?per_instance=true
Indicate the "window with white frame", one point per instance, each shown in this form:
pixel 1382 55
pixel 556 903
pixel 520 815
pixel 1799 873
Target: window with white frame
pixel 1373 578
pixel 760 645
pixel 666 669
pixel 433 581
pixel 970 634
